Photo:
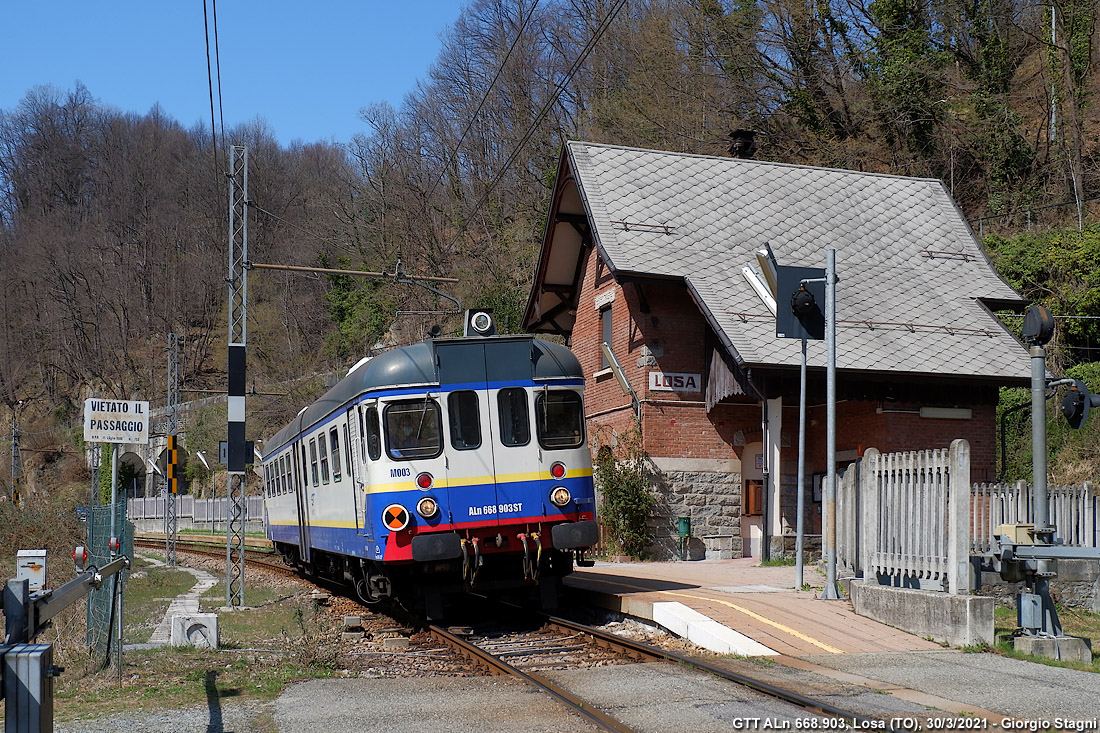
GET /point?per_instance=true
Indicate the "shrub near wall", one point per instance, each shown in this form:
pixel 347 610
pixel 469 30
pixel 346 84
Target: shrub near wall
pixel 627 501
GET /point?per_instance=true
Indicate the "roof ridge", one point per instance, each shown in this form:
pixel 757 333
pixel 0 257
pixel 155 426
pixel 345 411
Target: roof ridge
pixel 753 161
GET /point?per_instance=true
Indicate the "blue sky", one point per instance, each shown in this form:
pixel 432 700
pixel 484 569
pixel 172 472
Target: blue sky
pixel 307 68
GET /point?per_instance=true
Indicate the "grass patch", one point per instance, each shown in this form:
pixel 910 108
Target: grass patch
pixel 1075 622
pixel 282 637
pixel 147 593
pixel 777 562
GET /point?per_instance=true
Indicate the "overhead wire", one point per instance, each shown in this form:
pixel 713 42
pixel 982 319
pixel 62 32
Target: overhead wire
pixel 581 57
pixel 484 98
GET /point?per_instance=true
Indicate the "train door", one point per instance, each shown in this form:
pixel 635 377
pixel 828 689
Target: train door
pixel 301 482
pixel 366 446
pixel 483 468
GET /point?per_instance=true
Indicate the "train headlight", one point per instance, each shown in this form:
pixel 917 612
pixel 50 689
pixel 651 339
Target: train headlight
pixel 557 470
pixel 559 496
pixel 427 507
pixel 424 480
pixel 481 322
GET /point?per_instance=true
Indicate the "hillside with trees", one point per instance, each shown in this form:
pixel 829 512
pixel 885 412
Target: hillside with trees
pixel 113 224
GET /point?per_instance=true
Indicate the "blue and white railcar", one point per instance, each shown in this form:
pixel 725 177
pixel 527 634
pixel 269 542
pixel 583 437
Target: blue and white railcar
pixel 448 465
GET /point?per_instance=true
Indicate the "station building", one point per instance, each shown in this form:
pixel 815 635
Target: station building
pixel 655 253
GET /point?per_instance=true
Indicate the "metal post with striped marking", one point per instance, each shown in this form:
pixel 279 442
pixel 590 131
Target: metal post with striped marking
pixel 238 299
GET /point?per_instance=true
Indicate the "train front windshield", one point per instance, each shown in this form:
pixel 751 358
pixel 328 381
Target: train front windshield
pixel 412 429
pixel 560 419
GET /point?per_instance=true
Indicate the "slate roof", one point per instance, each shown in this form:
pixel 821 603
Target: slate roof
pixel 911 272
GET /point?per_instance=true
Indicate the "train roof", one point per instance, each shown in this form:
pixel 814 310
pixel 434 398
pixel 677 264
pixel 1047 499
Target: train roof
pixel 419 365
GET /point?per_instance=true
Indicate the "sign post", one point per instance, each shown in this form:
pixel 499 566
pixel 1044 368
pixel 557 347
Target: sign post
pixel 114 422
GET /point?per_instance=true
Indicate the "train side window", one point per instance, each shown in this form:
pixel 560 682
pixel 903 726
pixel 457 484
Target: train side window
pixel 374 436
pixel 313 461
pixel 284 477
pixel 305 467
pixel 412 429
pixel 515 425
pixel 334 445
pixel 278 478
pixel 267 480
pixel 347 449
pixel 559 419
pixel 462 410
pixel 322 450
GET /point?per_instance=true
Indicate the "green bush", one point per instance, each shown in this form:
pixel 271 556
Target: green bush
pixel 627 501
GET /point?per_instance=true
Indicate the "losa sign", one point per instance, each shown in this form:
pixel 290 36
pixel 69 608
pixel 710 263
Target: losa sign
pixel 675 382
pixel 116 421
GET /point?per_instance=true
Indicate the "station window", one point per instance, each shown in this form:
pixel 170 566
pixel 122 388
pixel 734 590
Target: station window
pixel 605 334
pixel 413 429
pixel 374 436
pixel 515 425
pixel 322 450
pixel 334 445
pixel 559 419
pixel 313 461
pixel 462 411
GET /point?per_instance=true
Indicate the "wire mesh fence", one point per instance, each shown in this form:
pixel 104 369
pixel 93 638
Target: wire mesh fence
pixel 101 609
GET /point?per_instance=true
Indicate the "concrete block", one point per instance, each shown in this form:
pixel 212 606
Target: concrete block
pixel 395 642
pixel 352 622
pixel 949 619
pixel 196 629
pixel 1065 648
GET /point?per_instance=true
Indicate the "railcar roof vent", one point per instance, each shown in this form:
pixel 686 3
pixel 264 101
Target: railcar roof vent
pixel 480 323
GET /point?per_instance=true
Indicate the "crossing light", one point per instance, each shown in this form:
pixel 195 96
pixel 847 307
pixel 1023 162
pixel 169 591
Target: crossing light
pixel 1076 403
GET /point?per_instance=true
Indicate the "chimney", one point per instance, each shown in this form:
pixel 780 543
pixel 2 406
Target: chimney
pixel 742 144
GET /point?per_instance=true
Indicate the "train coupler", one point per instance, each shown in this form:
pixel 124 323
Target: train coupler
pixel 538 556
pixel 526 556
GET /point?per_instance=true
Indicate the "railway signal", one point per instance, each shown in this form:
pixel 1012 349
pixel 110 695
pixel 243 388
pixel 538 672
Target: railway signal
pixel 1076 403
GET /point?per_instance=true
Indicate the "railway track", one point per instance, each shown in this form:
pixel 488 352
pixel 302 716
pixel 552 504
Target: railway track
pixel 257 552
pixel 560 642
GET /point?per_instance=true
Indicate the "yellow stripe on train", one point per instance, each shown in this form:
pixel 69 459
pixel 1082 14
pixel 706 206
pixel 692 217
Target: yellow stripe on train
pixel 502 478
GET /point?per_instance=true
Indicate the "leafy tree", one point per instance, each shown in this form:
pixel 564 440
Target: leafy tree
pixel 1058 269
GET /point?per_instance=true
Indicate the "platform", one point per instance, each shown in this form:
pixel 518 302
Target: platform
pixel 759 606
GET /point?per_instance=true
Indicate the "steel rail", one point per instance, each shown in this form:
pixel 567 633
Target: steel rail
pixel 651 652
pixel 494 665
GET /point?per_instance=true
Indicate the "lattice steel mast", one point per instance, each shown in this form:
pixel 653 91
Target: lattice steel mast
pixel 238 298
pixel 171 524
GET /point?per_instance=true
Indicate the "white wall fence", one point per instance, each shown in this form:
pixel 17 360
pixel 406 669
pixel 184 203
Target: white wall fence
pixel 913 519
pixel 904 517
pixel 1073 512
pixel 192 509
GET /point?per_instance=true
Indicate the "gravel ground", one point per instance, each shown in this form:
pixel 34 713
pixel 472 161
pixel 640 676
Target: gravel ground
pixel 229 717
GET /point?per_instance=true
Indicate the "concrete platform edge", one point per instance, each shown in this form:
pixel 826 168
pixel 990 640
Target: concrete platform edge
pixel 956 620
pixel 685 622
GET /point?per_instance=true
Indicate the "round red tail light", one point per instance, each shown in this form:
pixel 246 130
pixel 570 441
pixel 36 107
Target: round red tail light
pixel 424 480
pixel 557 470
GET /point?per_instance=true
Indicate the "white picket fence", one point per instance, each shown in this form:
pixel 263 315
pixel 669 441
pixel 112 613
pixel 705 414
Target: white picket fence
pixel 913 519
pixel 905 518
pixel 1073 512
pixel 188 507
